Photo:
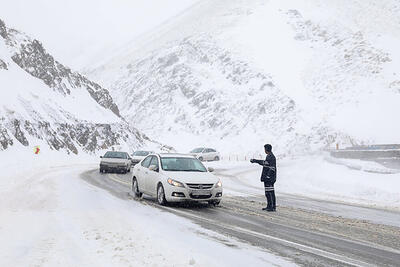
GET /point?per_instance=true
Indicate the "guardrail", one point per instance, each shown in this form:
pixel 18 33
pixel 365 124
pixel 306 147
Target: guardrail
pixel 241 157
pixel 366 153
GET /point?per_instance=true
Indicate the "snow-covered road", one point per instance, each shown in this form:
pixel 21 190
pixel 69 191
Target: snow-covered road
pixel 71 215
pixel 303 235
pixel 51 217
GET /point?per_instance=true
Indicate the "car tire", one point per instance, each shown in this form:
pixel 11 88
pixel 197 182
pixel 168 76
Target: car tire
pixel 161 195
pixel 201 158
pixel 101 170
pixel 135 188
pixel 216 158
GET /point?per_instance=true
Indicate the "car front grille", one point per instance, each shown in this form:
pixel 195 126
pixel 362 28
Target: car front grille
pixel 200 186
pixel 200 196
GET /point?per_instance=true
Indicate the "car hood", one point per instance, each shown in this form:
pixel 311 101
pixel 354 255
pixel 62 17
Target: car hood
pixel 193 177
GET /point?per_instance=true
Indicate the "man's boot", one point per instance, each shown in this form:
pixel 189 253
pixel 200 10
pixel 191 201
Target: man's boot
pixel 273 200
pixel 269 201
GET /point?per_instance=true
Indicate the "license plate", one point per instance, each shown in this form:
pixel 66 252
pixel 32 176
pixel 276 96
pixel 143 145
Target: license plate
pixel 201 192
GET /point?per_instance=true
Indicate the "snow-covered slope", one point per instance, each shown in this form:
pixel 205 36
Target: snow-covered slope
pixel 44 102
pixel 236 74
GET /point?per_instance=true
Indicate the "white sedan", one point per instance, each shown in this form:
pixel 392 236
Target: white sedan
pixel 175 178
pixel 205 154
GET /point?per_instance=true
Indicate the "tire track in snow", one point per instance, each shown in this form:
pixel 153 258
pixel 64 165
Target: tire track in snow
pixel 305 246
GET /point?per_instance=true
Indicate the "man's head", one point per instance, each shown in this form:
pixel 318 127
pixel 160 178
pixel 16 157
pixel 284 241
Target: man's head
pixel 268 148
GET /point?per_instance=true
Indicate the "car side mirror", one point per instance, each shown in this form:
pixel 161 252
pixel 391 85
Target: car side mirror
pixel 210 169
pixel 153 168
pixel 101 157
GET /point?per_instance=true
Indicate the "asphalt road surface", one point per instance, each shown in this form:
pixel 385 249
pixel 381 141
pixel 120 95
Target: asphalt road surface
pixel 309 232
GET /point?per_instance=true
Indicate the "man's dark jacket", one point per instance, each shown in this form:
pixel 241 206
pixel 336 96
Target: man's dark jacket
pixel 268 174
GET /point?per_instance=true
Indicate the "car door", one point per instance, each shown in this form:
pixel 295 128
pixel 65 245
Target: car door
pixel 142 169
pixel 207 154
pixel 152 177
pixel 213 154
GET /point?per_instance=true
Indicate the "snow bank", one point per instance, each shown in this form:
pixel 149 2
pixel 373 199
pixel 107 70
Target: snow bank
pixel 315 177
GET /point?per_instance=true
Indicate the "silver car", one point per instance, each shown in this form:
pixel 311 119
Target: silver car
pixel 115 161
pixel 176 178
pixel 205 154
pixel 137 156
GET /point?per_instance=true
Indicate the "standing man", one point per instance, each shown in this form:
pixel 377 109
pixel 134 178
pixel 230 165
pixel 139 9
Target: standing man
pixel 268 176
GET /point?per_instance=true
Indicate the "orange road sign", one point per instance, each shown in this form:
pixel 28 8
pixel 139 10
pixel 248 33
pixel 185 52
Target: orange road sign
pixel 36 150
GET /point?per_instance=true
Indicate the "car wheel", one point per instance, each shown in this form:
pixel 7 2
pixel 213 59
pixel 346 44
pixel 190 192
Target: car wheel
pixel 161 195
pixel 101 170
pixel 135 188
pixel 201 158
pixel 216 158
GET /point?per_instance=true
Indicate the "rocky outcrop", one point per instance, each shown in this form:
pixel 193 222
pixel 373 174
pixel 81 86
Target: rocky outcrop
pixel 68 137
pixel 3 65
pixel 47 121
pixel 31 56
pixel 3 30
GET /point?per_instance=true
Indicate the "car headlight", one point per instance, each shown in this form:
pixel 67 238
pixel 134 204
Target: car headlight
pixel 219 184
pixel 174 183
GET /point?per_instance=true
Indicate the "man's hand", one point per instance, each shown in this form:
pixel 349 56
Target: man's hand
pixel 252 160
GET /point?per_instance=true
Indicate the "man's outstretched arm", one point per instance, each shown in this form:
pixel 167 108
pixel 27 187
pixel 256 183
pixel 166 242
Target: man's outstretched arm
pixel 263 163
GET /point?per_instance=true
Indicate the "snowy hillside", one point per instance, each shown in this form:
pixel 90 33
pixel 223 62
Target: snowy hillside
pixel 237 74
pixel 45 102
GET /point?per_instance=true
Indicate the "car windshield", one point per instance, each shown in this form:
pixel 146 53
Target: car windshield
pixel 197 150
pixel 141 153
pixel 115 155
pixel 182 164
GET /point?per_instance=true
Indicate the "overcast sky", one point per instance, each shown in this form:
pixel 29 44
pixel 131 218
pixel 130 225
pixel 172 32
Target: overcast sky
pixel 77 31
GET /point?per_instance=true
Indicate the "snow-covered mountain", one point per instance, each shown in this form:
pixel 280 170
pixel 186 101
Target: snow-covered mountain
pixel 45 102
pixel 235 74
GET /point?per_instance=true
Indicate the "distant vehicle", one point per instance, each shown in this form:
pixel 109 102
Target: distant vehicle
pixel 115 161
pixel 175 178
pixel 137 156
pixel 205 154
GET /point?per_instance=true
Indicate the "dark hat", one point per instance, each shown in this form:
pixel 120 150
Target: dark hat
pixel 268 147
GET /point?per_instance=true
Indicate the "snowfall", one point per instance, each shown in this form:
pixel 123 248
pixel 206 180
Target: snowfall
pixel 49 216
